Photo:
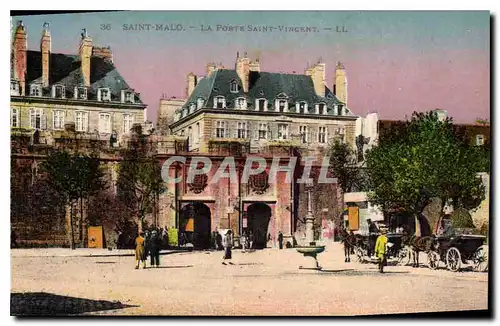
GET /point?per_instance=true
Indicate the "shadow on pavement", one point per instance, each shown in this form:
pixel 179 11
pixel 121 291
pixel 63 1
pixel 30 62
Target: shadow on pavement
pixel 185 266
pixel 47 304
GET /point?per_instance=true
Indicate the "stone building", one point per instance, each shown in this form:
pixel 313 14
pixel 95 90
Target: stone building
pixel 50 89
pixel 244 113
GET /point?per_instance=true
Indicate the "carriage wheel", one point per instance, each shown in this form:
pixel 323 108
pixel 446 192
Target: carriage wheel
pixel 453 259
pixel 359 254
pixel 404 256
pixel 433 259
pixel 481 259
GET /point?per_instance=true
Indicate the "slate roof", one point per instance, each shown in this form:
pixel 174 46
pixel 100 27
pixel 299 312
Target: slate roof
pixel 65 69
pixel 261 85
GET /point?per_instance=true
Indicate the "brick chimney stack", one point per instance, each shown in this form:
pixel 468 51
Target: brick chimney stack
pixel 341 83
pixel 191 84
pixel 19 56
pixel 243 70
pixel 317 73
pixel 45 49
pixel 85 52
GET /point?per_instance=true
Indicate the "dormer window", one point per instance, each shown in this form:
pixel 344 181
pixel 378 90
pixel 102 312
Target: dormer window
pixel 302 107
pixel 192 107
pixel 282 105
pixel 81 93
pixel 219 102
pixel 58 91
pixel 241 103
pixel 261 104
pixel 36 90
pixel 14 87
pixel 233 86
pixel 103 94
pixel 199 103
pixel 321 108
pixel 340 109
pixel 127 97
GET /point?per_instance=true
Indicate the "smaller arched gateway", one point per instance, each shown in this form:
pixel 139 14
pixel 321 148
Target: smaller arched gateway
pixel 258 220
pixel 195 221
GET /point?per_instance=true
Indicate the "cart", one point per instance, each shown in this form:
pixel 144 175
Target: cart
pixel 455 251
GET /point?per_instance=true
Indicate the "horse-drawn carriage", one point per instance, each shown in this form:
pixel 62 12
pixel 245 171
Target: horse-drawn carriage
pixel 396 249
pixel 456 250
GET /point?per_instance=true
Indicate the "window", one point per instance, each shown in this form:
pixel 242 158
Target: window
pixel 303 134
pixel 103 94
pixel 14 118
pixel 81 93
pixel 322 135
pixel 192 107
pixel 233 86
pixel 14 87
pixel 58 119
pixel 197 133
pixel 241 103
pixel 242 130
pixel 340 109
pixel 58 91
pixel 105 123
pixel 282 106
pixel 262 131
pixel 81 121
pixel 199 103
pixel 479 140
pixel 127 97
pixel 36 116
pixel 128 121
pixel 219 102
pixel 220 130
pixel 190 135
pixel 35 90
pixel 184 112
pixel 282 131
pixel 302 107
pixel 321 108
pixel 261 105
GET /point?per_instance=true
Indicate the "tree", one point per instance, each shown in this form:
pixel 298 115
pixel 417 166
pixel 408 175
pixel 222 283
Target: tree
pixel 344 166
pixel 423 162
pixel 139 181
pixel 75 177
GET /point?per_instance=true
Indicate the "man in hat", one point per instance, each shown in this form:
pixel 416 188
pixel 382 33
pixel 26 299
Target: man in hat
pixel 372 236
pixel 380 249
pixel 154 249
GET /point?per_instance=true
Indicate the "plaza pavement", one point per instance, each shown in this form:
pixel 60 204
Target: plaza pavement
pixel 265 282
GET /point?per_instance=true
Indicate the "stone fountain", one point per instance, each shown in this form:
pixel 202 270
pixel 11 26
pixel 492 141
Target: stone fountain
pixel 311 250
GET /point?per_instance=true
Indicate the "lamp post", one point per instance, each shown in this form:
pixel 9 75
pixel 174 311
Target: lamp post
pixel 309 216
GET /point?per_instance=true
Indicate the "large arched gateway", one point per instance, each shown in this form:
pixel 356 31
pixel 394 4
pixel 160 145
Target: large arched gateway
pixel 259 216
pixel 201 218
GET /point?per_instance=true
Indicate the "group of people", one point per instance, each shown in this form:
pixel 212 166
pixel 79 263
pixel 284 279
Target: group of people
pixel 148 243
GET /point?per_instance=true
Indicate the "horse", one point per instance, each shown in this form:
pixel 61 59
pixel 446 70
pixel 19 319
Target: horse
pixel 349 240
pixel 418 244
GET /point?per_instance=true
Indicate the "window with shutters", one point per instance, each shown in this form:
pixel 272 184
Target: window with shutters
pixel 81 121
pixel 36 115
pixel 128 121
pixel 322 135
pixel 242 130
pixel 58 91
pixel 282 131
pixel 220 130
pixel 262 130
pixel 58 119
pixel 219 102
pixel 303 134
pixel 36 90
pixel 105 123
pixel 241 103
pixel 14 118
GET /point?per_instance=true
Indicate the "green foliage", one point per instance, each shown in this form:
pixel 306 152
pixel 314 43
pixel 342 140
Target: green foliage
pixel 344 166
pixel 425 161
pixel 173 237
pixel 461 219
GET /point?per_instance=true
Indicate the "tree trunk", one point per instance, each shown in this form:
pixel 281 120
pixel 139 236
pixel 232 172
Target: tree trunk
pixel 83 209
pixel 69 221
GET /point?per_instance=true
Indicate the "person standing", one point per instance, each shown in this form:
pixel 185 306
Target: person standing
pixel 250 240
pixel 380 250
pixel 155 249
pixel 227 243
pixel 244 241
pixel 280 240
pixel 372 237
pixel 140 251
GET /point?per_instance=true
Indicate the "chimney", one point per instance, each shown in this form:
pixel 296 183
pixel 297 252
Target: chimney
pixel 191 84
pixel 255 65
pixel 317 73
pixel 19 55
pixel 243 70
pixel 103 52
pixel 85 53
pixel 340 82
pixel 45 49
pixel 211 67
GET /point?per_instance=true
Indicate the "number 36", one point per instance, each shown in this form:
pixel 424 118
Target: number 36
pixel 105 27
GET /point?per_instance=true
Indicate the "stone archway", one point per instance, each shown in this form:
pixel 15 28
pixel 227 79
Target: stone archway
pixel 258 218
pixel 201 214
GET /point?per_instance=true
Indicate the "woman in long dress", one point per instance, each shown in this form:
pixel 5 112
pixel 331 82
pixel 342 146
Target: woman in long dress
pixel 140 251
pixel 227 243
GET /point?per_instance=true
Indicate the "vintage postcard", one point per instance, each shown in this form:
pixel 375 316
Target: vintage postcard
pixel 250 163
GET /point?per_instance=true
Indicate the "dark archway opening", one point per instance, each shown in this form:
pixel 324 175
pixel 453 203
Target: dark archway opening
pixel 200 235
pixel 258 216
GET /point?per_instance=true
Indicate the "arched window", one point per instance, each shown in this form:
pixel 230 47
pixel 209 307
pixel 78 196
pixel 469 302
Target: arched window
pixel 233 86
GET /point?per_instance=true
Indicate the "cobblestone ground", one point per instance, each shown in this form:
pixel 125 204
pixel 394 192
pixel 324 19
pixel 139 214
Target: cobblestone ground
pixel 266 282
